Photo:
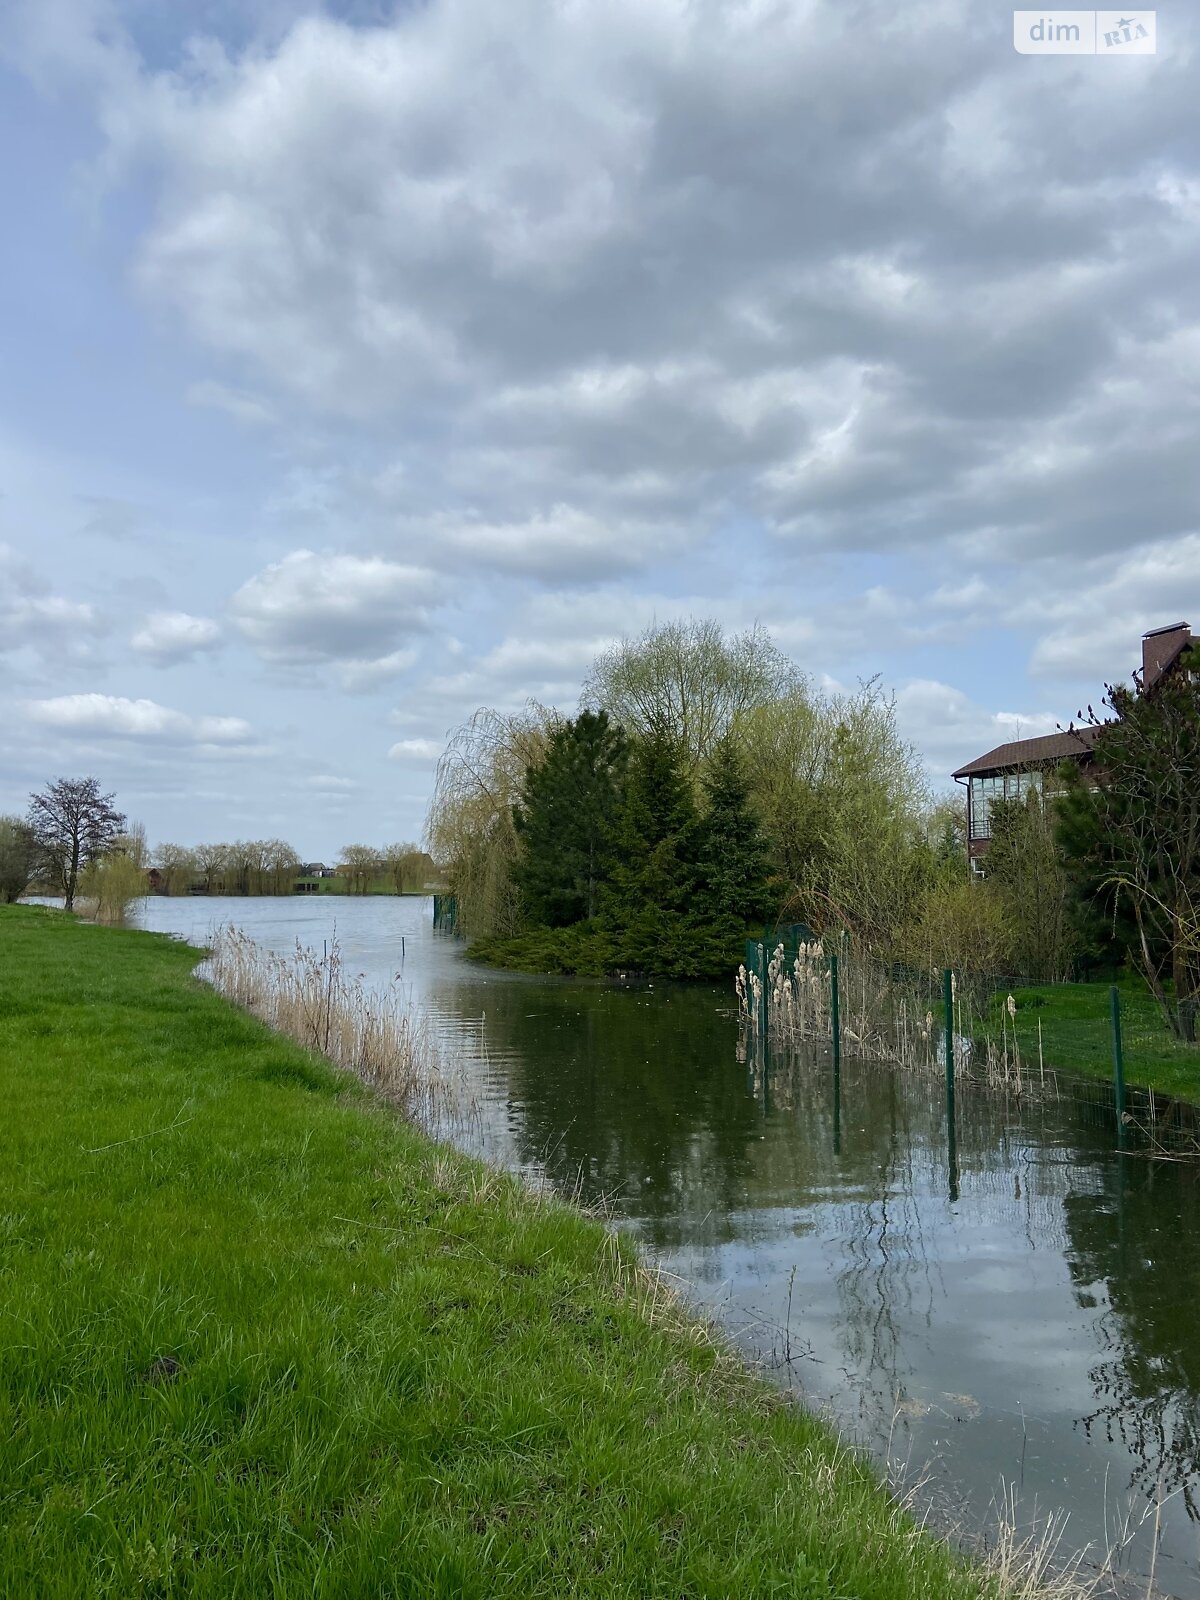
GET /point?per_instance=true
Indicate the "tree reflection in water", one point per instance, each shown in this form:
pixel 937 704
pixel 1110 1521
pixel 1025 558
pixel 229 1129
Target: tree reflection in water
pixel 650 1102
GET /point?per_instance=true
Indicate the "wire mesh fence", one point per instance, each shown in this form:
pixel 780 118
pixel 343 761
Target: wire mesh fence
pixel 1107 1047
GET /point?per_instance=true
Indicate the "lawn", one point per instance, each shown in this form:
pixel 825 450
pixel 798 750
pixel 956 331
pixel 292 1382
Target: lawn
pixel 1076 1033
pixel 259 1338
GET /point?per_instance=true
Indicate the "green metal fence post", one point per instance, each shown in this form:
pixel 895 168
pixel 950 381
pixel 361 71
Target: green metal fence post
pixel 951 1117
pixel 835 1013
pixel 762 993
pixel 1118 1055
pixel 948 1024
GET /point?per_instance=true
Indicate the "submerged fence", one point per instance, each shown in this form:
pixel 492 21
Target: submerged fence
pixel 445 912
pixel 1085 1041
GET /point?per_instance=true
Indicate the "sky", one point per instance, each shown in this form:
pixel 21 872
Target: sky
pixel 366 364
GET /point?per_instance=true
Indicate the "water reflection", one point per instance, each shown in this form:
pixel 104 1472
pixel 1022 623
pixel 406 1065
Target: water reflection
pixel 984 1287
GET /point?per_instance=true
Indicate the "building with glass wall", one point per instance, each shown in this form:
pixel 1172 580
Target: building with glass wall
pixel 1011 770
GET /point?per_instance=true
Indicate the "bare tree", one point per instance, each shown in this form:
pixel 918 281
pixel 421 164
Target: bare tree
pixel 73 823
pixel 359 863
pixel 176 866
pixel 212 862
pixel 407 866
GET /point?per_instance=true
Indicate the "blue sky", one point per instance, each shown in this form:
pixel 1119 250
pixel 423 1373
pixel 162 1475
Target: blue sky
pixel 365 365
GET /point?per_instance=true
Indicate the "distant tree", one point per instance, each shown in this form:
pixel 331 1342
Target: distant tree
pixel 212 864
pixel 1138 830
pixel 688 682
pixel 407 867
pixel 1025 867
pixel 72 823
pixel 280 868
pixel 565 820
pixel 18 857
pixel 650 902
pixel 359 864
pixel 733 890
pixel 176 867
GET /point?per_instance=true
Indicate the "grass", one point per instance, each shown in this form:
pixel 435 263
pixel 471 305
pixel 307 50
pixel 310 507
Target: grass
pixel 1076 1034
pixel 258 1337
pixel 340 885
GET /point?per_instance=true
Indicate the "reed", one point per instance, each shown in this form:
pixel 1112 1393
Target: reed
pixel 888 1013
pixel 314 1001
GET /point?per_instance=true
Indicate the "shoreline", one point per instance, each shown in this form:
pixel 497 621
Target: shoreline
pixel 276 1250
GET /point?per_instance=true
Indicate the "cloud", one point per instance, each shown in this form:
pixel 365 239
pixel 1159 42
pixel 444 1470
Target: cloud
pixel 311 608
pixel 359 677
pixel 237 403
pixel 167 637
pixel 32 615
pixel 669 263
pixel 107 715
pixel 415 750
pixel 950 729
pixel 563 543
pixel 329 783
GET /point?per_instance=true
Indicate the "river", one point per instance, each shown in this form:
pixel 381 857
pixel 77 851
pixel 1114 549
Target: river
pixel 1018 1322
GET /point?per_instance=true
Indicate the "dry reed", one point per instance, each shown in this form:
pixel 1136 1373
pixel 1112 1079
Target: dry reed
pixel 313 1000
pixel 886 1015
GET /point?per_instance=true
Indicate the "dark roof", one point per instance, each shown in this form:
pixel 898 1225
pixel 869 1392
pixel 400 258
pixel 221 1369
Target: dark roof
pixel 1074 745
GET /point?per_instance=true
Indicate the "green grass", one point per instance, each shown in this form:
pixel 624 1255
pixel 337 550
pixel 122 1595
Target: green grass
pixel 1076 1033
pixel 258 1338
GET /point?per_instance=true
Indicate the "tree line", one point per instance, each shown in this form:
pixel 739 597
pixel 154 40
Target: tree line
pixel 73 841
pixel 272 866
pixel 706 785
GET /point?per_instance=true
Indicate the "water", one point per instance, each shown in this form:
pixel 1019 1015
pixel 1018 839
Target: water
pixel 1021 1315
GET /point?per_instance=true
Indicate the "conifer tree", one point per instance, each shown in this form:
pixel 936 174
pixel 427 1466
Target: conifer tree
pixel 650 906
pixel 565 821
pixel 733 892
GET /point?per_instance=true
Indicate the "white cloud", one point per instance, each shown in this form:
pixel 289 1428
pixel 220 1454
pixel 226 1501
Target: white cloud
pixel 950 729
pixel 415 750
pixel 313 607
pixel 362 676
pixel 330 783
pixel 114 716
pixel 31 615
pixel 170 636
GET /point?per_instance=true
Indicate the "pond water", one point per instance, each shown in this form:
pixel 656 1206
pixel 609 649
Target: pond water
pixel 1014 1317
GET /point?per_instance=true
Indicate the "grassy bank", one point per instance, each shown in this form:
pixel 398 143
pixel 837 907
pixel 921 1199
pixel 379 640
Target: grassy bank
pixel 1075 1033
pixel 259 1338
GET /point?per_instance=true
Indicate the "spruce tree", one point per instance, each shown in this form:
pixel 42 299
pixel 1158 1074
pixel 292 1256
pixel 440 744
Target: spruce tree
pixel 733 893
pixel 565 821
pixel 650 904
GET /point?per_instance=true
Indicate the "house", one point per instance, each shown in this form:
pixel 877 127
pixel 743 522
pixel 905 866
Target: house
pixel 1011 770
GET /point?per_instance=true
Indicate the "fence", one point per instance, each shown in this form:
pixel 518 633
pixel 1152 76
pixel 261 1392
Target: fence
pixel 1095 1043
pixel 445 912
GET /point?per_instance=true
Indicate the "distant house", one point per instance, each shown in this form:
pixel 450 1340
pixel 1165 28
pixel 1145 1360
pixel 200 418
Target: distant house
pixel 1011 770
pixel 317 869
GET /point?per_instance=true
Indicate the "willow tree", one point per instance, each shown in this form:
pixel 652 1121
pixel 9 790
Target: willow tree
pixel 843 800
pixel 470 829
pixel 689 682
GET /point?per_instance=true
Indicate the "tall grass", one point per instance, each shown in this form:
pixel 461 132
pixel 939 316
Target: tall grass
pixel 889 1013
pixel 314 1001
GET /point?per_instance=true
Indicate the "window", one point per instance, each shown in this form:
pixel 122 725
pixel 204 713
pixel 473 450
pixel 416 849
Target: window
pixel 1005 786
